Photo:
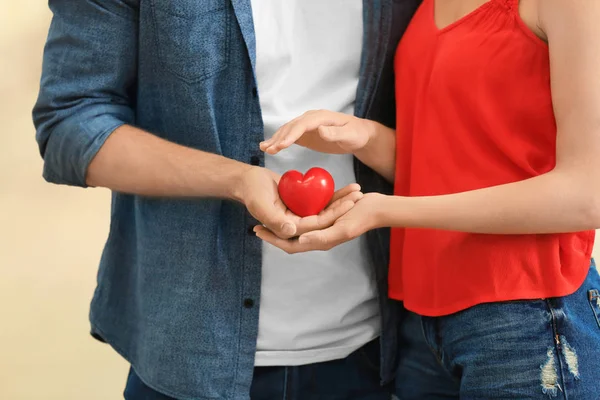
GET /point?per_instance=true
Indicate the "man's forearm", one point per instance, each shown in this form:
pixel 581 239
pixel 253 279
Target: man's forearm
pixel 134 161
pixel 380 152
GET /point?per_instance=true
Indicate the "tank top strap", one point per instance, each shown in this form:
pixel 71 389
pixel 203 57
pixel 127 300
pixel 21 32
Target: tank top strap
pixel 511 5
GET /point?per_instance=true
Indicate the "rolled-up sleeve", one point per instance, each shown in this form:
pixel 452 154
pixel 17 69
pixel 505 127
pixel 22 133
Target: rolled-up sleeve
pixel 88 83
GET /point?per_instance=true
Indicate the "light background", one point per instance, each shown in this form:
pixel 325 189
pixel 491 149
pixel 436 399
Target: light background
pixel 50 243
pixel 51 238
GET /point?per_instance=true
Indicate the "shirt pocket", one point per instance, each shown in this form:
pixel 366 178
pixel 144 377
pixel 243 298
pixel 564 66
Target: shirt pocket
pixel 594 298
pixel 192 36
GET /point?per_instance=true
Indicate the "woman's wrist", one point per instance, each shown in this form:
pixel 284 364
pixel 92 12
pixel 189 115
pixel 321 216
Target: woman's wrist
pixel 379 151
pixel 373 130
pixel 395 211
pixel 381 210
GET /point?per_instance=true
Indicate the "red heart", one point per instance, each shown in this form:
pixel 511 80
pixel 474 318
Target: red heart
pixel 309 194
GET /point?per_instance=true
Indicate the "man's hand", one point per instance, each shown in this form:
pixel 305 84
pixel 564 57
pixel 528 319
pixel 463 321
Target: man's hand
pixel 359 219
pixel 258 192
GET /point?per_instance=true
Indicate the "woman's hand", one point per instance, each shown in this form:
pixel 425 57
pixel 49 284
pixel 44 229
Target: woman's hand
pixel 335 133
pixel 323 131
pixel 361 218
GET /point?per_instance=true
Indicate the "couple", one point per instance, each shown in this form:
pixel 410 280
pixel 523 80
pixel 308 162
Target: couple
pixel 482 114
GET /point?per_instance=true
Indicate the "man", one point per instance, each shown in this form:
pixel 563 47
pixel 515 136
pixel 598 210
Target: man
pixel 159 101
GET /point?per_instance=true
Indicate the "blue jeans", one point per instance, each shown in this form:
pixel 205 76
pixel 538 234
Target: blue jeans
pixel 542 349
pixel 355 377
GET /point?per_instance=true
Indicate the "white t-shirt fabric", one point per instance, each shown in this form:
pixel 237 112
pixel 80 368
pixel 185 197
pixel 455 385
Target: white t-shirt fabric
pixel 316 306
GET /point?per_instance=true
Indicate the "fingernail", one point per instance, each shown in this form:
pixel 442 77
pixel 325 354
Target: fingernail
pixel 288 229
pixel 303 240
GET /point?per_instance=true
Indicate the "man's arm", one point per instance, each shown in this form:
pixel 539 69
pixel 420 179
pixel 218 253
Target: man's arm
pixel 134 161
pixel 88 83
pixel 84 120
pixel 84 115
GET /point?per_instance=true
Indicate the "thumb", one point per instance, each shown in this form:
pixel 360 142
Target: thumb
pixel 277 222
pixel 343 136
pixel 332 133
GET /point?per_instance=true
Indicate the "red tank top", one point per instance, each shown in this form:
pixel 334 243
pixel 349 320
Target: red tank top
pixel 474 110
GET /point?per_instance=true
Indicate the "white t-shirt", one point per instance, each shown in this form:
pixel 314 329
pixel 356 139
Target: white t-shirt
pixel 316 306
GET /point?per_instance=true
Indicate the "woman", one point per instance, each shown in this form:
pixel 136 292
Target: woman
pixel 497 195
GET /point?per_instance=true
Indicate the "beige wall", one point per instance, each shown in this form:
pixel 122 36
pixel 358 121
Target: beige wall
pixel 50 243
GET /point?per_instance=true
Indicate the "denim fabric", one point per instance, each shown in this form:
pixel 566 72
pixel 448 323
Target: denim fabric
pixel 179 281
pixel 355 377
pixel 542 349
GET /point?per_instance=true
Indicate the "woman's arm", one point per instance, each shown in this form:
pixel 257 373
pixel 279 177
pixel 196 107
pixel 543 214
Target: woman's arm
pixel 380 151
pixel 565 199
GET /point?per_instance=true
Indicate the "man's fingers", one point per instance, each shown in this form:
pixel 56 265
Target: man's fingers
pixel 279 223
pixel 283 229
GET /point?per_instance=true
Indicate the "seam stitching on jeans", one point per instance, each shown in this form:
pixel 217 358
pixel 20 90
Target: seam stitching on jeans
pixel 594 297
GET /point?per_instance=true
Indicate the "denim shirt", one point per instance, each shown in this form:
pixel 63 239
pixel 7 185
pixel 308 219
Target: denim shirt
pixel 178 289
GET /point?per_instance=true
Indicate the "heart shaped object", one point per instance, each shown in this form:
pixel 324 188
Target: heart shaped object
pixel 306 194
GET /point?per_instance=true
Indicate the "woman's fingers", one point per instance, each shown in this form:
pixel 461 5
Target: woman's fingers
pixel 264 145
pixel 353 187
pixel 315 240
pixel 327 217
pixel 291 132
pixel 289 246
pixel 324 239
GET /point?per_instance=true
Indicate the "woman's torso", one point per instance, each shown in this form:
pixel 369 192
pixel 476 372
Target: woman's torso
pixel 474 110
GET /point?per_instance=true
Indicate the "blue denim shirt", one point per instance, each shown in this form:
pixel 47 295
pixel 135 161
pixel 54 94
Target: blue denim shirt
pixel 178 289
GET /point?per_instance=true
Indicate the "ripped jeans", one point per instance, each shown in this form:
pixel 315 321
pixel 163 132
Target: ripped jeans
pixel 542 349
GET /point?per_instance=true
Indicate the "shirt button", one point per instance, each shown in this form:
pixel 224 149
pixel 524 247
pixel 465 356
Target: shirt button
pixel 255 160
pixel 248 303
pixel 254 92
